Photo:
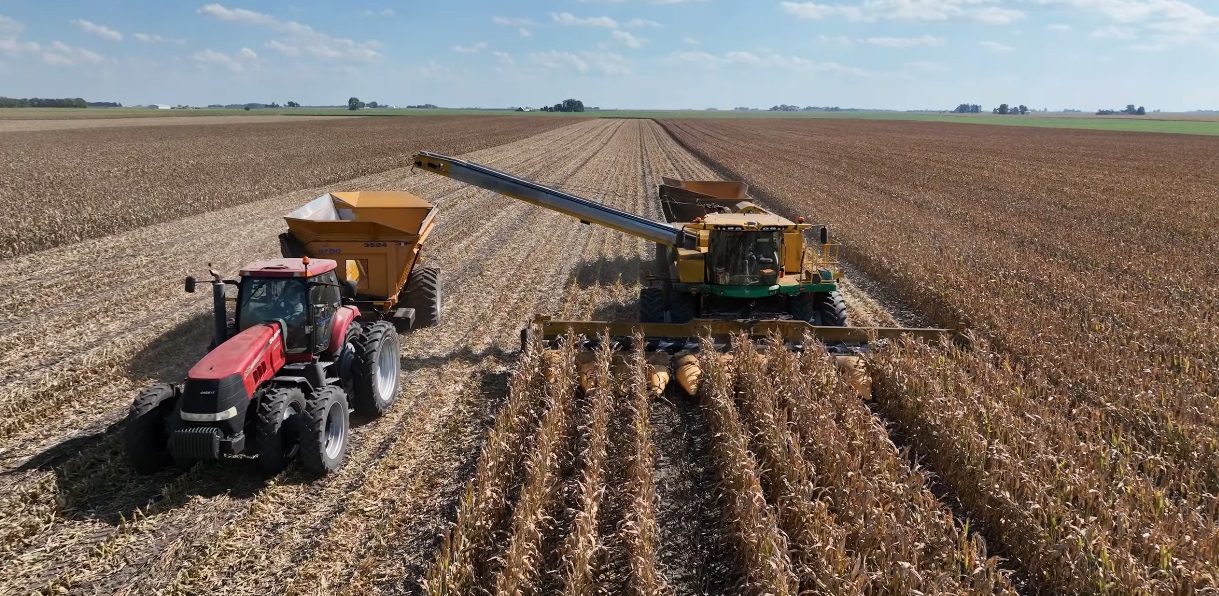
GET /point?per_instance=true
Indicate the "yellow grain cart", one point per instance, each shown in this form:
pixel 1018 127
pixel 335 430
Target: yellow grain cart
pixel 377 238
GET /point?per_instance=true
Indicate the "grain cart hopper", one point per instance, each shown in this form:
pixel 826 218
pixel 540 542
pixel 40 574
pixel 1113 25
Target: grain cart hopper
pixel 285 367
pixel 377 239
pixel 725 266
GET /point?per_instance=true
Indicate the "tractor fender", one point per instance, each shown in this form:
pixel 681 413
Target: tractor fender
pixel 342 320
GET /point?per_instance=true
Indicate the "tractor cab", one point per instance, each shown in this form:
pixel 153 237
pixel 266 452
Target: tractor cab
pixel 304 296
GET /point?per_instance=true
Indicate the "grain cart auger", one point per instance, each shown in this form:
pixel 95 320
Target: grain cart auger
pixel 724 266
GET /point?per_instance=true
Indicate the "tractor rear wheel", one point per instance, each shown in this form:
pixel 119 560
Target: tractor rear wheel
pixel 376 369
pixel 422 293
pixel 682 307
pixel 327 429
pixel 147 432
pixel 281 415
pixel 832 308
pixel 651 305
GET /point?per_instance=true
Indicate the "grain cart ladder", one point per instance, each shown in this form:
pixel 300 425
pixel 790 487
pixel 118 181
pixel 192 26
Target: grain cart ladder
pixel 734 269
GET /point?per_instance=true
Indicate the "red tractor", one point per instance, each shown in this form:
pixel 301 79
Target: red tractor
pixel 280 379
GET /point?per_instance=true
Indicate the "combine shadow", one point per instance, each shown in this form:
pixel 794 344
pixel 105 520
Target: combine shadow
pixel 606 271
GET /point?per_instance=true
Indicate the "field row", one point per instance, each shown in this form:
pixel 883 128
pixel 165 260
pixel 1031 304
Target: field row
pixel 64 186
pixel 1081 433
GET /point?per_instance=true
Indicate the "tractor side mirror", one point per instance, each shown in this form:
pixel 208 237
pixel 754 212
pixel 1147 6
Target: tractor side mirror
pixel 190 285
pixel 825 234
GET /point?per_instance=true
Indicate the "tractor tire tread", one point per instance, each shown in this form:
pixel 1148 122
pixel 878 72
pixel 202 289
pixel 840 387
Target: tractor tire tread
pixel 313 438
pixel 372 339
pixel 268 443
pixel 832 308
pixel 139 433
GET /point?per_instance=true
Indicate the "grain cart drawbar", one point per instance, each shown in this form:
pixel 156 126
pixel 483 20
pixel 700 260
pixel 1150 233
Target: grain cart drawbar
pixel 308 338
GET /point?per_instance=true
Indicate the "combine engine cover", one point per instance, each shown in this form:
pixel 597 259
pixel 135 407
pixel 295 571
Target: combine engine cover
pixel 219 388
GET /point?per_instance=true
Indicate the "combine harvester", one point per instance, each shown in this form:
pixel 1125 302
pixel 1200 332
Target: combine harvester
pixel 310 337
pixel 724 267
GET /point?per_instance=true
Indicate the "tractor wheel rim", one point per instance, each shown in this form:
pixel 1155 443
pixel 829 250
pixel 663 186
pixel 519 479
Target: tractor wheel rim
pixel 387 371
pixel 336 432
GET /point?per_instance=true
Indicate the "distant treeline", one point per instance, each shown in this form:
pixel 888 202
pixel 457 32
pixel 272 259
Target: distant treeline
pixel 54 102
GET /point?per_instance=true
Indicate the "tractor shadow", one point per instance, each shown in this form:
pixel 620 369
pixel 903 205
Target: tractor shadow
pixel 170 355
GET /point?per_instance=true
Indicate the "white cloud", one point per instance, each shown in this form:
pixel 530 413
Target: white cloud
pixel 154 38
pixel 386 12
pixel 523 32
pixel 9 43
pixel 1114 32
pixel 606 63
pixel 690 41
pixel 244 59
pixel 835 40
pixel 283 48
pixel 637 23
pixel 925 67
pixel 310 41
pixel 1169 22
pixel 9 26
pixel 570 20
pixel 995 46
pixel 905 10
pixel 61 54
pixel 762 60
pixel 906 42
pixel 837 68
pixel 1058 27
pixel 513 21
pixel 98 30
pixel 629 40
pixel 471 49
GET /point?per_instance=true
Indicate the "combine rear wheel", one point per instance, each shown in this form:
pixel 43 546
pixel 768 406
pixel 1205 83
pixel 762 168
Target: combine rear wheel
pixel 146 435
pixel 280 421
pixel 422 293
pixel 376 369
pixel 325 437
pixel 651 305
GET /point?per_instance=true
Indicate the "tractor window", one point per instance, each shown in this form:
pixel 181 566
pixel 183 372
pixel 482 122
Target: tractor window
pixel 263 299
pixel 744 258
pixel 324 299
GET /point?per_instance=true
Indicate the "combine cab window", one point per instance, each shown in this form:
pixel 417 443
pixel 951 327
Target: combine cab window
pixel 744 258
pixel 263 299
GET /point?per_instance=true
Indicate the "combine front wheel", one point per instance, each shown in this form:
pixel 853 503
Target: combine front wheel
pixel 832 309
pixel 651 305
pixel 377 368
pixel 324 442
pixel 146 435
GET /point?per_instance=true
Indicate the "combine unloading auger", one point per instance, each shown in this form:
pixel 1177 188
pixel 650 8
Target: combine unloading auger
pixel 725 267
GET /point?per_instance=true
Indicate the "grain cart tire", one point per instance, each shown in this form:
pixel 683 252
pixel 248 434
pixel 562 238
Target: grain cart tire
pixel 146 434
pixel 281 415
pixel 377 367
pixel 327 431
pixel 422 293
pixel 651 305
pixel 682 307
pixel 832 309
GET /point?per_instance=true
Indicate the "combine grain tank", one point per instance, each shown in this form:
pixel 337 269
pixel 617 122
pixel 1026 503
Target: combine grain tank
pixel 377 237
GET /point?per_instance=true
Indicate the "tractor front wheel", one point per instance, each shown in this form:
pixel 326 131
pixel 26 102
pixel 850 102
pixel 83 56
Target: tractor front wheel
pixel 324 442
pixel 146 434
pixel 280 422
pixel 377 367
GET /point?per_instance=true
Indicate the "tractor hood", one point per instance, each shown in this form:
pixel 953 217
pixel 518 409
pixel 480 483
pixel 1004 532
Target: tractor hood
pixel 254 355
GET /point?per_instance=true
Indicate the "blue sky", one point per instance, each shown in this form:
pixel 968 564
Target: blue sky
pixel 901 54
